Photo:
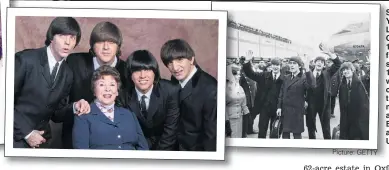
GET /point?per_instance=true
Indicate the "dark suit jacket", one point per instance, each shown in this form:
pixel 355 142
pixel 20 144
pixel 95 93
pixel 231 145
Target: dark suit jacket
pixel 96 131
pixel 292 99
pixel 198 108
pixel 249 87
pixel 354 110
pixel 37 100
pixel 327 75
pixel 82 66
pixel 160 125
pixel 264 81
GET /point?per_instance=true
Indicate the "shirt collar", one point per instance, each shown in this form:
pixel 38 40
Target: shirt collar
pixel 102 106
pixel 140 94
pixel 295 75
pixel 277 75
pixel 315 72
pixel 97 65
pixel 183 83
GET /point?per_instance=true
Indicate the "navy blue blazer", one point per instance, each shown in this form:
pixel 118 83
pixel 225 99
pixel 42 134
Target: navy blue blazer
pixel 96 131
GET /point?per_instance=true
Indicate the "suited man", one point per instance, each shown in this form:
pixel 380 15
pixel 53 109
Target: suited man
pixel 42 84
pixel 291 101
pixel 105 42
pixel 153 100
pixel 319 98
pixel 270 84
pixel 198 97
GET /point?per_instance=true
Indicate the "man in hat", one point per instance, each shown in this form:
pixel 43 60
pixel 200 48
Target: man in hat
pixel 291 101
pixel 319 98
pixel 266 98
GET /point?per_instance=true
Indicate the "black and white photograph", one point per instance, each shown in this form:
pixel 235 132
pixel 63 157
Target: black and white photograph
pixel 3 6
pixel 299 75
pixel 110 85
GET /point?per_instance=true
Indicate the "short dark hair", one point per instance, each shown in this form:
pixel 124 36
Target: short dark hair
pixel 142 60
pixel 63 25
pixel 106 70
pixel 106 31
pixel 176 49
pixel 321 58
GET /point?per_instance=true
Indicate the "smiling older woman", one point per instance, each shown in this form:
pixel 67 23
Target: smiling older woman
pixel 107 126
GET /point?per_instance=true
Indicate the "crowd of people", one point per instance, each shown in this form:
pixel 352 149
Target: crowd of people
pixel 104 102
pixel 284 89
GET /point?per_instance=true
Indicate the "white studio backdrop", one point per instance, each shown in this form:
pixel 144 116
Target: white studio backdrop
pixel 239 158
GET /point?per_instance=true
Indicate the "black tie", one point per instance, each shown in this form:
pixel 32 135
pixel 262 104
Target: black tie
pixel 143 106
pixel 317 75
pixel 275 78
pixel 54 72
pixel 349 84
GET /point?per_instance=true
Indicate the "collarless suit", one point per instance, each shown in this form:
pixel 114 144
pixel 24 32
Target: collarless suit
pixel 37 99
pixel 82 66
pixel 198 108
pixel 161 121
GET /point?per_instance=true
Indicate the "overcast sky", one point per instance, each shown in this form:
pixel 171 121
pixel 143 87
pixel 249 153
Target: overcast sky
pixel 305 28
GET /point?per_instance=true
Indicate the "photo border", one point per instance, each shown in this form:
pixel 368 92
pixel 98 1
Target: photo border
pixel 221 16
pixel 151 5
pixel 3 4
pixel 374 10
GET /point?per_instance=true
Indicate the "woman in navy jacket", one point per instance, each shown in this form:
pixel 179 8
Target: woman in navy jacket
pixel 107 126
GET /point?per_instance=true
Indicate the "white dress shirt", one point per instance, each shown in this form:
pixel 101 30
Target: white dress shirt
pixel 183 83
pixel 315 73
pixel 277 75
pixel 53 61
pixel 147 99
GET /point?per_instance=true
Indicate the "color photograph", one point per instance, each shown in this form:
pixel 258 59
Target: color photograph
pixel 113 81
pixel 3 7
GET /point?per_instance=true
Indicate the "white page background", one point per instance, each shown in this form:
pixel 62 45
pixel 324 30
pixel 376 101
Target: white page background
pixel 239 158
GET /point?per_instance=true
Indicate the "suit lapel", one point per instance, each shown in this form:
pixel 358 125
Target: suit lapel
pixel 291 82
pixel 186 91
pixel 153 105
pixel 134 105
pixel 45 69
pixel 100 115
pixel 89 66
